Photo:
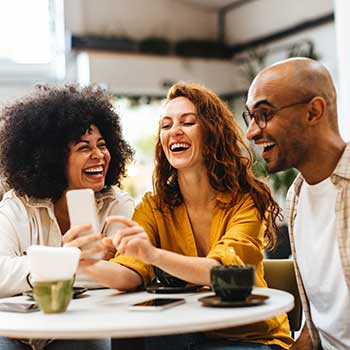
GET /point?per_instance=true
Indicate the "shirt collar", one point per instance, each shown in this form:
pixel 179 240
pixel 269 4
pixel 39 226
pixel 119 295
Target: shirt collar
pixel 342 170
pixel 47 203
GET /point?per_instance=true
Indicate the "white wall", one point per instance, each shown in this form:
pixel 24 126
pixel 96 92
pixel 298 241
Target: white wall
pixel 263 17
pixel 138 19
pixel 342 30
pixel 144 75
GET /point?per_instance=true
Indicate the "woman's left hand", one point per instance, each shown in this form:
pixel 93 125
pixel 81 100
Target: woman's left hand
pixel 133 240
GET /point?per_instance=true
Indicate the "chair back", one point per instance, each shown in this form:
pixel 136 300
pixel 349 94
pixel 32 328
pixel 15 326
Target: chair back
pixel 280 274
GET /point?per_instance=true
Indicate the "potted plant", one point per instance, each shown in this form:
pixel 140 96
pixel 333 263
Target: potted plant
pixel 97 42
pixel 202 48
pixel 155 45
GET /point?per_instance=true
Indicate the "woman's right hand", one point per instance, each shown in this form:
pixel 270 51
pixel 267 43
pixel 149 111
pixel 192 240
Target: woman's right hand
pixel 74 237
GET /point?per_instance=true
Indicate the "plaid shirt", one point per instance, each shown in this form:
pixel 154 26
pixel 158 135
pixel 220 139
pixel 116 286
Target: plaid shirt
pixel 340 178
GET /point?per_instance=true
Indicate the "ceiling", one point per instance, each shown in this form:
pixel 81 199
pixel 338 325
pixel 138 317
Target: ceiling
pixel 212 4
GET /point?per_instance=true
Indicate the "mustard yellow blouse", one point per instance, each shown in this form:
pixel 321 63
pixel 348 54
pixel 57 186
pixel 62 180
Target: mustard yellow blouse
pixel 233 226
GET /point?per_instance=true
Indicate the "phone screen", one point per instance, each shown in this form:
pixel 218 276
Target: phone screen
pixel 159 302
pixel 156 304
pixel 17 307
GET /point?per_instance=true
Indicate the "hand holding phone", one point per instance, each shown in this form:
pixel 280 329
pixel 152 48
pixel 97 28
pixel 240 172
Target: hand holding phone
pixel 156 304
pixel 82 210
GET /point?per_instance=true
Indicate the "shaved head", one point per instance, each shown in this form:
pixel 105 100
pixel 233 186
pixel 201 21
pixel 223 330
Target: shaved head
pixel 302 78
pixel 295 103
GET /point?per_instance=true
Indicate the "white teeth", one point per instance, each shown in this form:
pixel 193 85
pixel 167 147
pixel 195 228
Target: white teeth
pixel 265 144
pixel 179 145
pixel 94 170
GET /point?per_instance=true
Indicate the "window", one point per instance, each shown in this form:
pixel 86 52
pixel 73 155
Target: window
pixel 32 40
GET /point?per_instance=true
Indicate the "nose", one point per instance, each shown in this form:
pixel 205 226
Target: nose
pixel 253 130
pixel 97 153
pixel 176 129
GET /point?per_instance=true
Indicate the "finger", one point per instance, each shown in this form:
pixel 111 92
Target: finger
pixel 134 241
pixel 75 231
pixel 121 219
pixel 86 253
pixel 109 248
pixel 81 241
pixel 130 231
pixel 108 242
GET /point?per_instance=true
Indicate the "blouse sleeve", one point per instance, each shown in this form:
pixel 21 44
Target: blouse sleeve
pixel 144 216
pixel 243 240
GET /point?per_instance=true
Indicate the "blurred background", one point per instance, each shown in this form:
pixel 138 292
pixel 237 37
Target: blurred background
pixel 136 49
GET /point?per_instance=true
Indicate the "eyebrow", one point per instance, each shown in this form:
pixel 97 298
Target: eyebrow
pixel 181 116
pixel 259 103
pixel 86 141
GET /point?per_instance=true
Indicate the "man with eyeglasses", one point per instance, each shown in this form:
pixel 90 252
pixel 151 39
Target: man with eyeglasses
pixel 292 116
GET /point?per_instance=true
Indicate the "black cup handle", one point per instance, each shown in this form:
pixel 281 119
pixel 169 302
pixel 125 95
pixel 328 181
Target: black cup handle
pixel 28 280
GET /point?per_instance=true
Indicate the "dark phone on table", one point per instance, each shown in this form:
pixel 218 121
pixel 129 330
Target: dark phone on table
pixel 18 307
pixel 157 304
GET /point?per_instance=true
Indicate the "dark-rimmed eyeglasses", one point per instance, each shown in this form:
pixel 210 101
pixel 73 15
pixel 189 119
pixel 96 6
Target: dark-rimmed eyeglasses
pixel 262 116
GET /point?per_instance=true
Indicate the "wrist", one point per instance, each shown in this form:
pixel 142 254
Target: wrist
pixel 156 256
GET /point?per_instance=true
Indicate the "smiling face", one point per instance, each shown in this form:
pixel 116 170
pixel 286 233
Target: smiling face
pixel 284 139
pixel 88 161
pixel 181 134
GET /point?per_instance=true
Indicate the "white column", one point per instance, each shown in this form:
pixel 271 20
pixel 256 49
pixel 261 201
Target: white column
pixel 342 27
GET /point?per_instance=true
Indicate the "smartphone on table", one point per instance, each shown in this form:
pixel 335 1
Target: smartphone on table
pixel 156 304
pixel 82 210
pixel 18 307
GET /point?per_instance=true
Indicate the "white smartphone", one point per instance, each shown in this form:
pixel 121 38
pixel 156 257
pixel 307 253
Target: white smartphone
pixel 156 304
pixel 82 210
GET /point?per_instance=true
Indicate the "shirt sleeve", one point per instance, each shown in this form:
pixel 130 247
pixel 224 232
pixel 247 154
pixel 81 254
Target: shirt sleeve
pixel 144 216
pixel 14 266
pixel 243 240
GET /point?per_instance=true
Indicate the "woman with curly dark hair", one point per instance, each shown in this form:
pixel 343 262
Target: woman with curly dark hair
pixel 53 141
pixel 207 209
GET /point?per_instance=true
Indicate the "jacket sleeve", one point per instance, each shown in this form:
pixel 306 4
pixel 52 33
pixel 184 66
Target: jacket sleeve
pixel 14 266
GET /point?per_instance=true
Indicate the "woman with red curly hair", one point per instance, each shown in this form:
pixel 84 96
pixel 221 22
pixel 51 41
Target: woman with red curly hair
pixel 207 209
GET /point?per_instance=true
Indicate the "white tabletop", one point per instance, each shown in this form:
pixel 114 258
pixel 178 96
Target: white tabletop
pixel 104 313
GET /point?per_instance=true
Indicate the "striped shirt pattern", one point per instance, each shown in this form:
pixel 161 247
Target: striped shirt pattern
pixel 340 178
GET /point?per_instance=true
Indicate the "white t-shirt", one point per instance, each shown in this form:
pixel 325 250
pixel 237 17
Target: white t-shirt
pixel 319 262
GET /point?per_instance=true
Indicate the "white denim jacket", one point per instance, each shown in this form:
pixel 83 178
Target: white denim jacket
pixel 25 221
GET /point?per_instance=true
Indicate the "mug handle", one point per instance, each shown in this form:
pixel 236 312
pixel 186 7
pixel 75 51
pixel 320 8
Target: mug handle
pixel 28 280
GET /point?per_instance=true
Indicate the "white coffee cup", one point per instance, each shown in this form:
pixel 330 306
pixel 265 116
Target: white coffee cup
pixel 52 263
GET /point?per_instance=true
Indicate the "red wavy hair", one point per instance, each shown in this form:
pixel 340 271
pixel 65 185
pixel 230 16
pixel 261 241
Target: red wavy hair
pixel 228 158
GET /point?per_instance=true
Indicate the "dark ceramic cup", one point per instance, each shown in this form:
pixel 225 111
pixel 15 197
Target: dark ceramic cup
pixel 232 282
pixel 168 280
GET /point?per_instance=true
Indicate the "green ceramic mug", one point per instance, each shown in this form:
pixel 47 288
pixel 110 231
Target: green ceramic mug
pixel 53 296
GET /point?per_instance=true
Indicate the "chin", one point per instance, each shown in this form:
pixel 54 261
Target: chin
pixel 276 167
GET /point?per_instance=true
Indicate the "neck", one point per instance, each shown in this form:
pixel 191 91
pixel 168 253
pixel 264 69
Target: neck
pixel 322 159
pixel 195 187
pixel 61 213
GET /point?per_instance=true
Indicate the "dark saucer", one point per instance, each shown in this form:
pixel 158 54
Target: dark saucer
pixel 250 300
pixel 77 292
pixel 161 289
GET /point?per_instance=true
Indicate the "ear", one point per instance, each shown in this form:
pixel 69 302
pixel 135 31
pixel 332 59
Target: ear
pixel 316 110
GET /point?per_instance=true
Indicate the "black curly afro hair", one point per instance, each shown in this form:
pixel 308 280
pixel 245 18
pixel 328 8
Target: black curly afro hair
pixel 35 133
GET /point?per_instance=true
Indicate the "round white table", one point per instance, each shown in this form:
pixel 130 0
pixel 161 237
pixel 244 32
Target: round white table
pixel 104 313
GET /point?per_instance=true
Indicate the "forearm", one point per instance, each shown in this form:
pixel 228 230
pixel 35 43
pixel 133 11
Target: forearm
pixel 304 341
pixel 113 275
pixel 13 271
pixel 191 269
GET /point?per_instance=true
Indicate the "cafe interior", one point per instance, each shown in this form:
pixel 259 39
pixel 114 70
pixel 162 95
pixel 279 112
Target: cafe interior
pixel 137 49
